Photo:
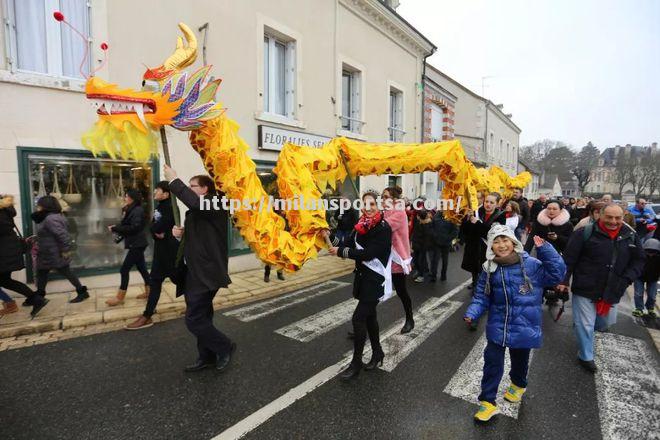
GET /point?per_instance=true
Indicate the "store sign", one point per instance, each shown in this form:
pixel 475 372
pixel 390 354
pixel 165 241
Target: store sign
pixel 272 138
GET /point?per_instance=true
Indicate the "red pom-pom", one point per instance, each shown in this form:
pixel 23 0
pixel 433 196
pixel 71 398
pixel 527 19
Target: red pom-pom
pixel 104 46
pixel 58 16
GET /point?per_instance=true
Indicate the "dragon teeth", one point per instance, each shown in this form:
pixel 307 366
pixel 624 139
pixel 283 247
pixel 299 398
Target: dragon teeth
pixel 139 110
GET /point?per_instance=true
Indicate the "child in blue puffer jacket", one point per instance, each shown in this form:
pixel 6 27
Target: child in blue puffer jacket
pixel 510 289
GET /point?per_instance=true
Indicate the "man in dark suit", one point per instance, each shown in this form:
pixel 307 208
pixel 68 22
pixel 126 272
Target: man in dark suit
pixel 204 267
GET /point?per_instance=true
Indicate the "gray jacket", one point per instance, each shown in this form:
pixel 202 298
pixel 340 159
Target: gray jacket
pixel 53 239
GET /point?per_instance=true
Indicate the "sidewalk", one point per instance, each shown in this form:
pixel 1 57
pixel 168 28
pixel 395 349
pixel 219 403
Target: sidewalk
pixel 61 320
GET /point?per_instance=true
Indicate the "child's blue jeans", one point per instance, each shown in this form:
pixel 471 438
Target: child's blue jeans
pixel 494 369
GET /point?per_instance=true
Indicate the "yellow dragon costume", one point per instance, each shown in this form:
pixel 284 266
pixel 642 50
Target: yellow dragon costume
pixel 129 121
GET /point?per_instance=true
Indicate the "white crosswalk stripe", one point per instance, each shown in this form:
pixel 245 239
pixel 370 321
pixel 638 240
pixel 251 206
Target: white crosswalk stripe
pixel 317 324
pixel 628 388
pixel 397 346
pixel 254 420
pixel 466 382
pixel 259 310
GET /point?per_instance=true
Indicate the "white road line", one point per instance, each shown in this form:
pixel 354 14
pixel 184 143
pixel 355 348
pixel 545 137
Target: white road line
pixel 265 308
pixel 397 347
pixel 466 382
pixel 628 388
pixel 319 323
pixel 259 417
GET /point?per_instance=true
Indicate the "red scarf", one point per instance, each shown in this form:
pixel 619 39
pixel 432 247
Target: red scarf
pixel 365 224
pixel 611 232
pixel 487 216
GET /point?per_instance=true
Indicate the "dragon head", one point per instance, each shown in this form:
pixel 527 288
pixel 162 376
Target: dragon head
pixel 128 119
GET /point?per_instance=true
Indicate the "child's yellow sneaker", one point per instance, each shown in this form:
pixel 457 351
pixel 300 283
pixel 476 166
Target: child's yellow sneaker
pixel 514 393
pixel 486 411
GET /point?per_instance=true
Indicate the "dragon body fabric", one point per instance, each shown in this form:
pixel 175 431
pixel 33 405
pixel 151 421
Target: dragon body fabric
pixel 129 121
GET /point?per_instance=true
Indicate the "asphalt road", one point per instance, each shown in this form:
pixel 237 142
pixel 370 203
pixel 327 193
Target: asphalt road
pixel 130 385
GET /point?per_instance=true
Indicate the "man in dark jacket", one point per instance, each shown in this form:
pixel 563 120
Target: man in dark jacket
pixel 165 252
pixel 346 221
pixel 204 269
pixel 603 258
pixel 421 244
pixel 524 211
pixel 537 207
pixel 443 233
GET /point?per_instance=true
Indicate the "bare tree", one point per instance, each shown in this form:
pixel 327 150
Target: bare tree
pixel 623 170
pixel 648 172
pixel 585 162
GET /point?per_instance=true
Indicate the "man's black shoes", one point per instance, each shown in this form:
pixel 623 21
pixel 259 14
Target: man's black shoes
pixel 223 361
pixel 199 365
pixel 590 366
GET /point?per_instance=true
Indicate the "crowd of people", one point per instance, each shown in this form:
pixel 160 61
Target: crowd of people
pixel 518 252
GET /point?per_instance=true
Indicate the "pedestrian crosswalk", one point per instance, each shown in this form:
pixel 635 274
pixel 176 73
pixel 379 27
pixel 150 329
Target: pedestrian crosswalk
pixel 627 382
pixel 319 323
pixel 628 388
pixel 466 382
pixel 265 308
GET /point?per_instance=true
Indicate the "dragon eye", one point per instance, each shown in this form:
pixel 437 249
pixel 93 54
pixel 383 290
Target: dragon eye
pixel 149 85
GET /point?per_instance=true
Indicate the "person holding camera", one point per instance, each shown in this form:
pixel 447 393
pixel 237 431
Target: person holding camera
pixel 131 229
pixel 553 225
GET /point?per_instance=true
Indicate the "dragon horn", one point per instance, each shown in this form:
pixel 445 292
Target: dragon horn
pixel 183 56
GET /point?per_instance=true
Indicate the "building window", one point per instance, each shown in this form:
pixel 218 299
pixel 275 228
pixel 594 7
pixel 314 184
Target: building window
pixel 279 76
pixel 509 154
pixel 351 100
pixel 39 44
pixel 268 179
pixel 393 180
pixel 491 141
pixel 91 192
pixel 437 124
pixel 395 128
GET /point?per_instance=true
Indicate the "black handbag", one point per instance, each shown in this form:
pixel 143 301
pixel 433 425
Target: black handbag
pixel 25 246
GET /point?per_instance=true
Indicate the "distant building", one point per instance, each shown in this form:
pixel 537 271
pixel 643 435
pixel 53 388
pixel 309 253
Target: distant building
pixel 531 191
pixel 604 180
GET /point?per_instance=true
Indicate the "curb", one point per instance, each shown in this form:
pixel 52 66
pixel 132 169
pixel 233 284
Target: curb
pixel 109 318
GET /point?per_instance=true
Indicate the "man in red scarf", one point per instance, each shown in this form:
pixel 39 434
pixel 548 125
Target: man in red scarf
pixel 603 258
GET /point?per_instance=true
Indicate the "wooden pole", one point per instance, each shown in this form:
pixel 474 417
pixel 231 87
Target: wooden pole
pixel 166 153
pixel 348 173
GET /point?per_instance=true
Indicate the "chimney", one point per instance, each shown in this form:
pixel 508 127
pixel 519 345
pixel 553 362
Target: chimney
pixel 500 106
pixel 654 146
pixel 392 3
pixel 509 115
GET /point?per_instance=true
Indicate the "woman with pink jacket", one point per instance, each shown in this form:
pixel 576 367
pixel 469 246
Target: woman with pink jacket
pixel 396 217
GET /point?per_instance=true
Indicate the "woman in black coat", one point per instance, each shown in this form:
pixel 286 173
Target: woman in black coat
pixel 165 252
pixel 553 225
pixel 11 255
pixel 54 247
pixel 131 229
pixel 474 230
pixel 371 252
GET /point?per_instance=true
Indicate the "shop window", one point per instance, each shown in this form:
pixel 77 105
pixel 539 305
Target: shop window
pixel 90 191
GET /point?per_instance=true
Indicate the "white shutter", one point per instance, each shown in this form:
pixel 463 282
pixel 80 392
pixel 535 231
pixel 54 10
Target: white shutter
pixel 355 102
pixel 290 80
pixel 10 34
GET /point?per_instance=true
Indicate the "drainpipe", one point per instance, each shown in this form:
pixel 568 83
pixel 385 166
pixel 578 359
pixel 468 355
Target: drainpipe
pixel 421 175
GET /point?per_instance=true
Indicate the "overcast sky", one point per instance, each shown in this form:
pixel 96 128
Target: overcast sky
pixel 571 70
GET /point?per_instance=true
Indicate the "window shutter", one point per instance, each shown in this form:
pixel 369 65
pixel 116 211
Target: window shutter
pixel 10 35
pixel 356 102
pixel 290 80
